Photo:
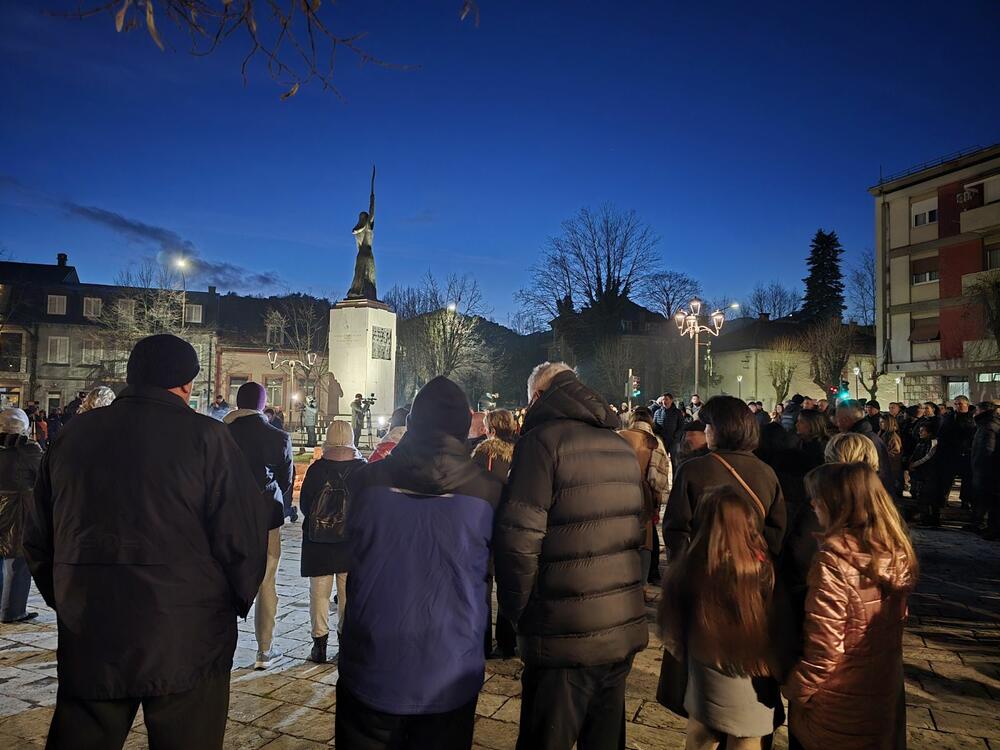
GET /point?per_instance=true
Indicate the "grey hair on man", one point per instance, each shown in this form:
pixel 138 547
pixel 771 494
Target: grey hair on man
pixel 14 422
pixel 542 375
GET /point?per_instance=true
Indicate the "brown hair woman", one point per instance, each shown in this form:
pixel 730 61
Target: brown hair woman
pixel 714 612
pixel 847 690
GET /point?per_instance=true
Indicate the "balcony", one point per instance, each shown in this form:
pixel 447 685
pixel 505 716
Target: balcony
pixel 981 220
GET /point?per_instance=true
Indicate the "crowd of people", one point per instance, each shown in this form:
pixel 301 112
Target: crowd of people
pixel 788 558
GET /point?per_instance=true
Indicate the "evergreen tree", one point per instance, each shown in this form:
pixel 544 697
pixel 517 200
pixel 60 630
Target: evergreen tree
pixel 824 297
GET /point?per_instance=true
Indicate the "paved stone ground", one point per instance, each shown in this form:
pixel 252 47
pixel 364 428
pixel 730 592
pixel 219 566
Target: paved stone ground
pixel 952 652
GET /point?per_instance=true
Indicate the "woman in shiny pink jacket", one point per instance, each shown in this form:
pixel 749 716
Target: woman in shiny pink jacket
pixel 847 690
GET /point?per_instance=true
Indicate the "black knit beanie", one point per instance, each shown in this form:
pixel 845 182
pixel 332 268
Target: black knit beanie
pixel 440 406
pixel 163 360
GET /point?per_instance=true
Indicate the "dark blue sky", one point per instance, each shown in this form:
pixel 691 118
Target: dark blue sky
pixel 734 129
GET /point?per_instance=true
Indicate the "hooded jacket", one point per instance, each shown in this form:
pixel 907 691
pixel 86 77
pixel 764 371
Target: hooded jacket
pixel 269 452
pixel 568 534
pixel 847 691
pixel 495 455
pixel 147 554
pixel 19 460
pixel 986 457
pixel 420 524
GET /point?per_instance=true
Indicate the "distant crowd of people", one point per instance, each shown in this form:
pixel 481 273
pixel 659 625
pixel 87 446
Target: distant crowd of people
pixel 788 558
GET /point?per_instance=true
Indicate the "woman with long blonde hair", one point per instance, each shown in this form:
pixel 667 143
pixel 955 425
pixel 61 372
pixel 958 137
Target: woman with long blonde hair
pixel 847 690
pixel 714 614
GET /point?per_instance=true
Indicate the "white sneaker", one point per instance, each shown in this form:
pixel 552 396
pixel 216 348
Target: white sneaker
pixel 264 661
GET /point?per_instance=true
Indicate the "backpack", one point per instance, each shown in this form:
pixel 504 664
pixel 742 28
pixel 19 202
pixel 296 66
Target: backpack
pixel 327 522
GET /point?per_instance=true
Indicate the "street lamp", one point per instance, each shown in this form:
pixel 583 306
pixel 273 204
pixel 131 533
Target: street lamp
pixel 857 377
pixel 452 307
pixel 739 383
pixel 181 264
pixel 272 357
pixel 689 324
pixel 898 381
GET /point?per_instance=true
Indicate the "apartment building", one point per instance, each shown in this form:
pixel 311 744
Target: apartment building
pixel 937 234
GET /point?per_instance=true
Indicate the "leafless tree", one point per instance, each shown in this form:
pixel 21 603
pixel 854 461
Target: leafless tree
pixel 774 299
pixel 444 339
pixel 302 324
pixel 612 360
pixel 783 366
pixel 861 289
pixel 295 38
pixel 829 343
pixel 986 291
pixel 669 291
pixel 868 375
pixel 600 259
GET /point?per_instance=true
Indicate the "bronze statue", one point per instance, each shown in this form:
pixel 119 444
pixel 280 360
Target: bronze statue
pixel 363 286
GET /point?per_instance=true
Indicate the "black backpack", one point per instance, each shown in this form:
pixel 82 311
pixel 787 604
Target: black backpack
pixel 328 519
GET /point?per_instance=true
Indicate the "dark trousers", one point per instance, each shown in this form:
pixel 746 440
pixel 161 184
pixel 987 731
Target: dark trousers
pixel 359 727
pixel 563 705
pixel 653 574
pixel 15 583
pixel 311 436
pixel 194 720
pixel 505 634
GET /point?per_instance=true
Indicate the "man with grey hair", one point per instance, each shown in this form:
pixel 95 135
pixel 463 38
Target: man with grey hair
pixel 850 417
pixel 566 546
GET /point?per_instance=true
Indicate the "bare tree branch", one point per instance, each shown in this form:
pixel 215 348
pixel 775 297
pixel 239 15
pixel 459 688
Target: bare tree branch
pixel 774 299
pixel 668 291
pixel 861 289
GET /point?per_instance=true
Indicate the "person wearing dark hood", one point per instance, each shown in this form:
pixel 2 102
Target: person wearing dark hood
pixel 268 450
pixel 411 662
pixel 955 443
pixel 568 565
pixel 790 414
pixel 147 562
pixel 986 469
pixel 850 417
pixel 873 413
pixel 19 459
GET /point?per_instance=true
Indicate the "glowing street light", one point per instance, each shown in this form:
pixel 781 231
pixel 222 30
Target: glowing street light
pixel 452 307
pixel 689 324
pixel 739 383
pixel 857 377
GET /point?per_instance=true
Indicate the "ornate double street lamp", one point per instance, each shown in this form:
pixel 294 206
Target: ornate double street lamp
pixel 272 357
pixel 689 324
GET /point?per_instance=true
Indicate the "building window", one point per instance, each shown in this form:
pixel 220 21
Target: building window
pixel 92 307
pixel 275 388
pixel 275 334
pixel 57 304
pixel 10 352
pixel 992 261
pixel 93 352
pixel 924 270
pixel 53 400
pixel 192 313
pixel 924 212
pixel 126 308
pixel 925 330
pixel 59 350
pixel 988 377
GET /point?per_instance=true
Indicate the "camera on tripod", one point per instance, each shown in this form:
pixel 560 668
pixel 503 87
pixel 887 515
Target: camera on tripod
pixel 369 402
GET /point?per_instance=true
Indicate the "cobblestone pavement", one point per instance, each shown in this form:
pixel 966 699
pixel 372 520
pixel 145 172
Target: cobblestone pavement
pixel 952 652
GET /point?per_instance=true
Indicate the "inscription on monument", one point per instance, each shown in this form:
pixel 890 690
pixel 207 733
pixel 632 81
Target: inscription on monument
pixel 381 343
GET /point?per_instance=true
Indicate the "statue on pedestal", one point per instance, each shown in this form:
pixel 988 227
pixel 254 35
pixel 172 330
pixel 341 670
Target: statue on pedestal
pixel 363 286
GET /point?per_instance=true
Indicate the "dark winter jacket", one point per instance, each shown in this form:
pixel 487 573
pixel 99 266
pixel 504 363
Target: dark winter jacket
pixel 568 534
pixel 321 558
pixel 986 459
pixel 698 474
pixel 669 424
pixel 762 417
pixel 494 455
pixel 926 473
pixel 269 453
pixel 864 427
pixel 955 436
pixel 790 415
pixel 420 524
pixel 19 460
pixel 148 536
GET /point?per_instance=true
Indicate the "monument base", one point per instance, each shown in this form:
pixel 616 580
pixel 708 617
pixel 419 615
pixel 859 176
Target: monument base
pixel 363 355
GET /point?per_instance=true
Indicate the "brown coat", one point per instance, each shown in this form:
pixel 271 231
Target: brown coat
pixel 644 444
pixel 847 691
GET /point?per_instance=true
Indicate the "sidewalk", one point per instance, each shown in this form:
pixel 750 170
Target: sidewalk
pixel 951 647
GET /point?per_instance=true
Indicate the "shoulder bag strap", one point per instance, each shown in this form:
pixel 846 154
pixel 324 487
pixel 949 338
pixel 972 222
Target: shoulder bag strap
pixel 753 495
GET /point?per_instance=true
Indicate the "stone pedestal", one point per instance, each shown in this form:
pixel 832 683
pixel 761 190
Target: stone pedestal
pixel 362 355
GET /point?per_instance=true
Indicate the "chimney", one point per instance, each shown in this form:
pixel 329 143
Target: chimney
pixel 211 290
pixel 61 259
pixel 764 316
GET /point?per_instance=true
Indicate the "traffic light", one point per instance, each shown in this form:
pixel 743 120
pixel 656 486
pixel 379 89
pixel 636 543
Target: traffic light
pixel 845 391
pixel 636 390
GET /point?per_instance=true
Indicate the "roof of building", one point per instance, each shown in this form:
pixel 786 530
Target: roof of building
pixel 762 333
pixel 935 168
pixel 43 274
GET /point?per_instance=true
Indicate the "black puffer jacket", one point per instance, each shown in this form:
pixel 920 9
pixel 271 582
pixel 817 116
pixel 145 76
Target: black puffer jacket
pixel 268 450
pixel 19 459
pixel 568 535
pixel 986 457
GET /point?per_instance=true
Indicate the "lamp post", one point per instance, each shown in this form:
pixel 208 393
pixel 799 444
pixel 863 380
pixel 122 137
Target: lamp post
pixel 689 324
pixel 272 357
pixel 898 381
pixel 181 264
pixel 739 383
pixel 857 378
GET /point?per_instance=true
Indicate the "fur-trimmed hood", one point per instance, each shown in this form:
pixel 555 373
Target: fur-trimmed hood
pixel 496 449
